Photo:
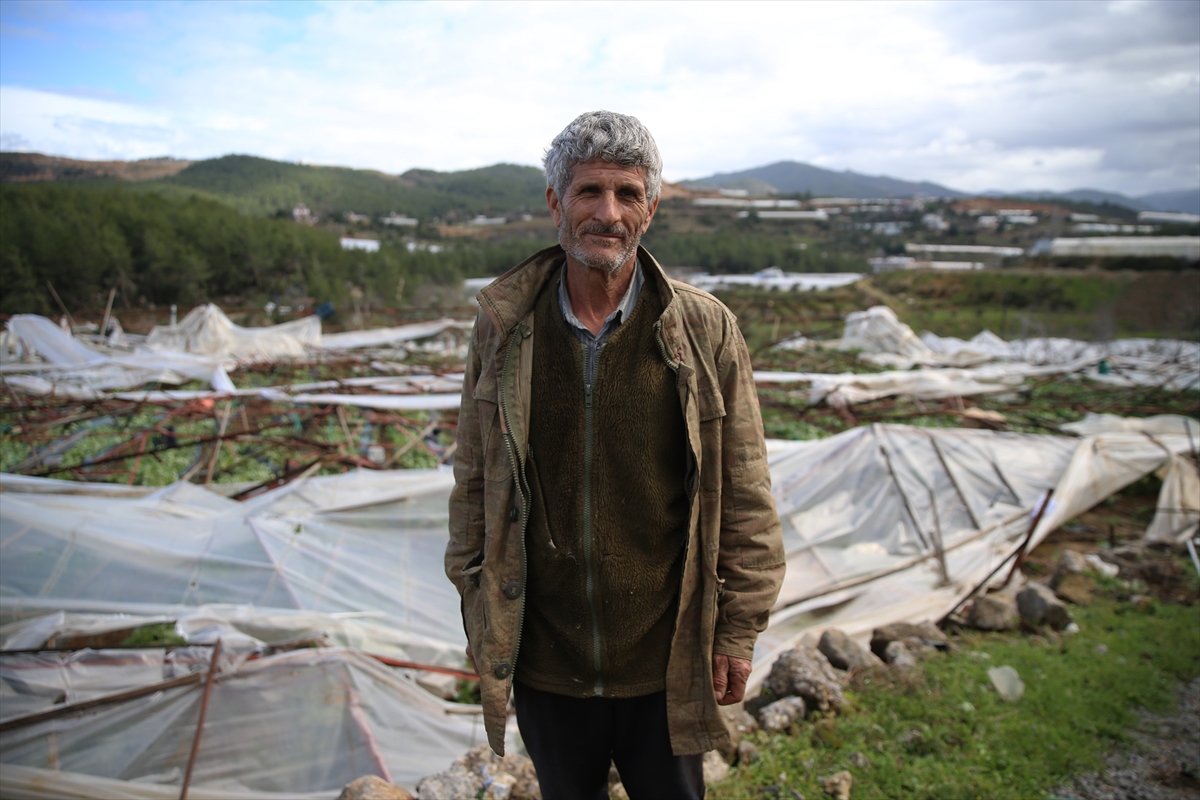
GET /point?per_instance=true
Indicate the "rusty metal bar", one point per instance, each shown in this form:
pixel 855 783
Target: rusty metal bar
pixel 208 684
pixel 1025 543
pixel 83 705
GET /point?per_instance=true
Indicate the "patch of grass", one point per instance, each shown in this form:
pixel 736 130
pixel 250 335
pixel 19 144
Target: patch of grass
pixel 160 634
pixel 943 732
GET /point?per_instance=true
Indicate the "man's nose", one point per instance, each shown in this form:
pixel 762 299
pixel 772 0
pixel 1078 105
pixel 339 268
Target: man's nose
pixel 608 210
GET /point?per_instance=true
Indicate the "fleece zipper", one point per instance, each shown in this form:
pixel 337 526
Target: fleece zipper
pixel 589 556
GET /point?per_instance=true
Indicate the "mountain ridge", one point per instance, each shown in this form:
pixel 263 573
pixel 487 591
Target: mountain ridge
pixel 267 187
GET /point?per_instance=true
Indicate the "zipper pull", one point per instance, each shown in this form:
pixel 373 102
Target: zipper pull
pixel 588 394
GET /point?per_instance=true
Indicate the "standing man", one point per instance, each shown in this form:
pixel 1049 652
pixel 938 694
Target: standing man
pixel 612 531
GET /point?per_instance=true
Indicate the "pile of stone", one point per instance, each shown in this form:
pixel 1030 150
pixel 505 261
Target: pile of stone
pixel 806 682
pixel 479 774
pixel 1037 604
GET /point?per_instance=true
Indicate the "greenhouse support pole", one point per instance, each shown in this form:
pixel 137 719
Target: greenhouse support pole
pixel 208 684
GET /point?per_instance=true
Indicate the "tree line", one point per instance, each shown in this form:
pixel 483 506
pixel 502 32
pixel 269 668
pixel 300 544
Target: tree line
pixel 160 249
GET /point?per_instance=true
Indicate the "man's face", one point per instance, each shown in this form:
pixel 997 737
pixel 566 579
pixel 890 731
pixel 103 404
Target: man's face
pixel 604 214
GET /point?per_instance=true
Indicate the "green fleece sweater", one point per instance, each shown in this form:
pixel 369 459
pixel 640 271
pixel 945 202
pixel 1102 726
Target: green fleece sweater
pixel 609 509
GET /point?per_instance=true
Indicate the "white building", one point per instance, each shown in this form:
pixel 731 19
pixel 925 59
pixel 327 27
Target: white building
pixel 1169 217
pixel 351 243
pixel 396 219
pixel 818 215
pixel 482 220
pixel 965 249
pixel 1185 247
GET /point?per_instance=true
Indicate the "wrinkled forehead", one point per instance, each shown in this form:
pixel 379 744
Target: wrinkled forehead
pixel 603 172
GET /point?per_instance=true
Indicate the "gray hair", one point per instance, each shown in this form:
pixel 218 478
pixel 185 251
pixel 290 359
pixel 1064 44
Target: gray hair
pixel 616 138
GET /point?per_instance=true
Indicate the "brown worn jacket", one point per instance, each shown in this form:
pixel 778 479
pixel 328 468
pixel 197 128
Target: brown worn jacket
pixel 734 563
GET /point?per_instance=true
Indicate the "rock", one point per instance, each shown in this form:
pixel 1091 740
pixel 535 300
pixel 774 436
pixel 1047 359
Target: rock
pixel 617 792
pixel 805 672
pixel 373 787
pixel 1069 563
pixel 845 653
pixel 782 714
pixel 1076 588
pixel 1038 605
pixel 859 760
pixel 457 781
pixel 838 785
pixel 898 656
pixel 715 768
pixel 1100 649
pixel 1098 564
pixel 994 612
pixel 747 753
pixel 911 736
pixel 915 637
pixel 1007 682
pixel 740 720
pixel 481 770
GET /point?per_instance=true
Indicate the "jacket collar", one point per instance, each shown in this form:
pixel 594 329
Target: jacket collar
pixel 511 297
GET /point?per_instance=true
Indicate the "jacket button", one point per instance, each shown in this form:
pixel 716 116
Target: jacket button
pixel 513 513
pixel 502 671
pixel 512 590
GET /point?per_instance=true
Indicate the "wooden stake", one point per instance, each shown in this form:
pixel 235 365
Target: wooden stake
pixel 61 305
pixel 107 311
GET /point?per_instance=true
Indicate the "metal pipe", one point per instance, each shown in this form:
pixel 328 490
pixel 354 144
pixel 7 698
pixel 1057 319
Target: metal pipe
pixel 1028 536
pixel 208 684
pixel 83 705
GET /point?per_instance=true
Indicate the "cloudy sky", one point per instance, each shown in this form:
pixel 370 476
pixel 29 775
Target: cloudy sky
pixel 975 95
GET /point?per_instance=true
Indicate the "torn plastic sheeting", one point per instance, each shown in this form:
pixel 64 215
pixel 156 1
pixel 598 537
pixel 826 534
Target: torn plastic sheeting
pixel 206 330
pixel 895 577
pixel 187 546
pixel 851 388
pixel 33 783
pixel 289 723
pixel 415 385
pixel 34 682
pixel 350 340
pixel 394 402
pixel 1177 518
pixel 80 370
pixel 1093 424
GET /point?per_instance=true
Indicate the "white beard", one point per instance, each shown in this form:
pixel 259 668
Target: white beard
pixel 608 262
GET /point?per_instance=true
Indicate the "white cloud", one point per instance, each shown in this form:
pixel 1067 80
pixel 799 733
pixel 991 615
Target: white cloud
pixel 976 95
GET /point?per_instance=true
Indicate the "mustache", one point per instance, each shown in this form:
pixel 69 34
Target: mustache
pixel 616 229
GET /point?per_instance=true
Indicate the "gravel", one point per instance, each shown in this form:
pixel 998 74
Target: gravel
pixel 1164 764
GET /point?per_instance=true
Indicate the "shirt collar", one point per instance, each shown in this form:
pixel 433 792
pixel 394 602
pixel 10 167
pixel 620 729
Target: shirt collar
pixel 623 309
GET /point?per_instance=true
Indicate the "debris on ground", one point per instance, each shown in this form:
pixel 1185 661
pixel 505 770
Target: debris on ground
pixel 1164 764
pixel 805 672
pixel 482 773
pixel 373 787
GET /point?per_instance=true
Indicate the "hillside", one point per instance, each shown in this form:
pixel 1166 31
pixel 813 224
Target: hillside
pixel 36 168
pixel 265 188
pixel 793 177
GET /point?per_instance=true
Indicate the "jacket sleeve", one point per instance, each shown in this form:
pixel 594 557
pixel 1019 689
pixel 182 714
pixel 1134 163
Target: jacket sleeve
pixel 751 559
pixel 465 548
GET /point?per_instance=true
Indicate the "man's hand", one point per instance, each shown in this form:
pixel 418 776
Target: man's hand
pixel 729 678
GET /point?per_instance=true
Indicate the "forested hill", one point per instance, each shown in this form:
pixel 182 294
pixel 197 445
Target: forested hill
pixel 266 188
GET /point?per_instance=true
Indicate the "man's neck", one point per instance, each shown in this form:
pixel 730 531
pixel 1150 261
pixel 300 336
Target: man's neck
pixel 595 293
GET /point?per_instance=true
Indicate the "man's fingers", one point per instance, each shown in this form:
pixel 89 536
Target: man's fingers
pixel 730 688
pixel 720 675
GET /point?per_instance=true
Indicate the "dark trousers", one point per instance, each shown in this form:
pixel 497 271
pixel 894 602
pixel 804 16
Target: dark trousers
pixel 573 740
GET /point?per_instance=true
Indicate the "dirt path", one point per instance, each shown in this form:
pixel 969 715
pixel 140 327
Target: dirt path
pixel 1164 764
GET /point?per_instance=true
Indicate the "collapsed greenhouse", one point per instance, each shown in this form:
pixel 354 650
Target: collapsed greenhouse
pixel 340 639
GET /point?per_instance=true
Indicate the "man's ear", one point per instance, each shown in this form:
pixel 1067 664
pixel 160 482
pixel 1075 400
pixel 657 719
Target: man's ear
pixel 650 216
pixel 554 206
